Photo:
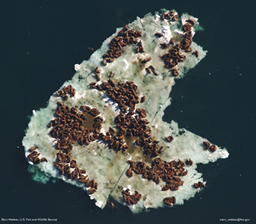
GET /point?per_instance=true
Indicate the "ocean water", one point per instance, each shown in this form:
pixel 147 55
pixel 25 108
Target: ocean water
pixel 41 42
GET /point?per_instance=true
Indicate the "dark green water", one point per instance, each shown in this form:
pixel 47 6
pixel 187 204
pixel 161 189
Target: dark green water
pixel 40 43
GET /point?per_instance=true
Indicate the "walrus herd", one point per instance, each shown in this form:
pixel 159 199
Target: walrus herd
pixel 70 124
pixel 169 172
pixel 34 156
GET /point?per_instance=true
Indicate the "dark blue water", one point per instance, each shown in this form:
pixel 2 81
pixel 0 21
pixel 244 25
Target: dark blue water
pixel 40 42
